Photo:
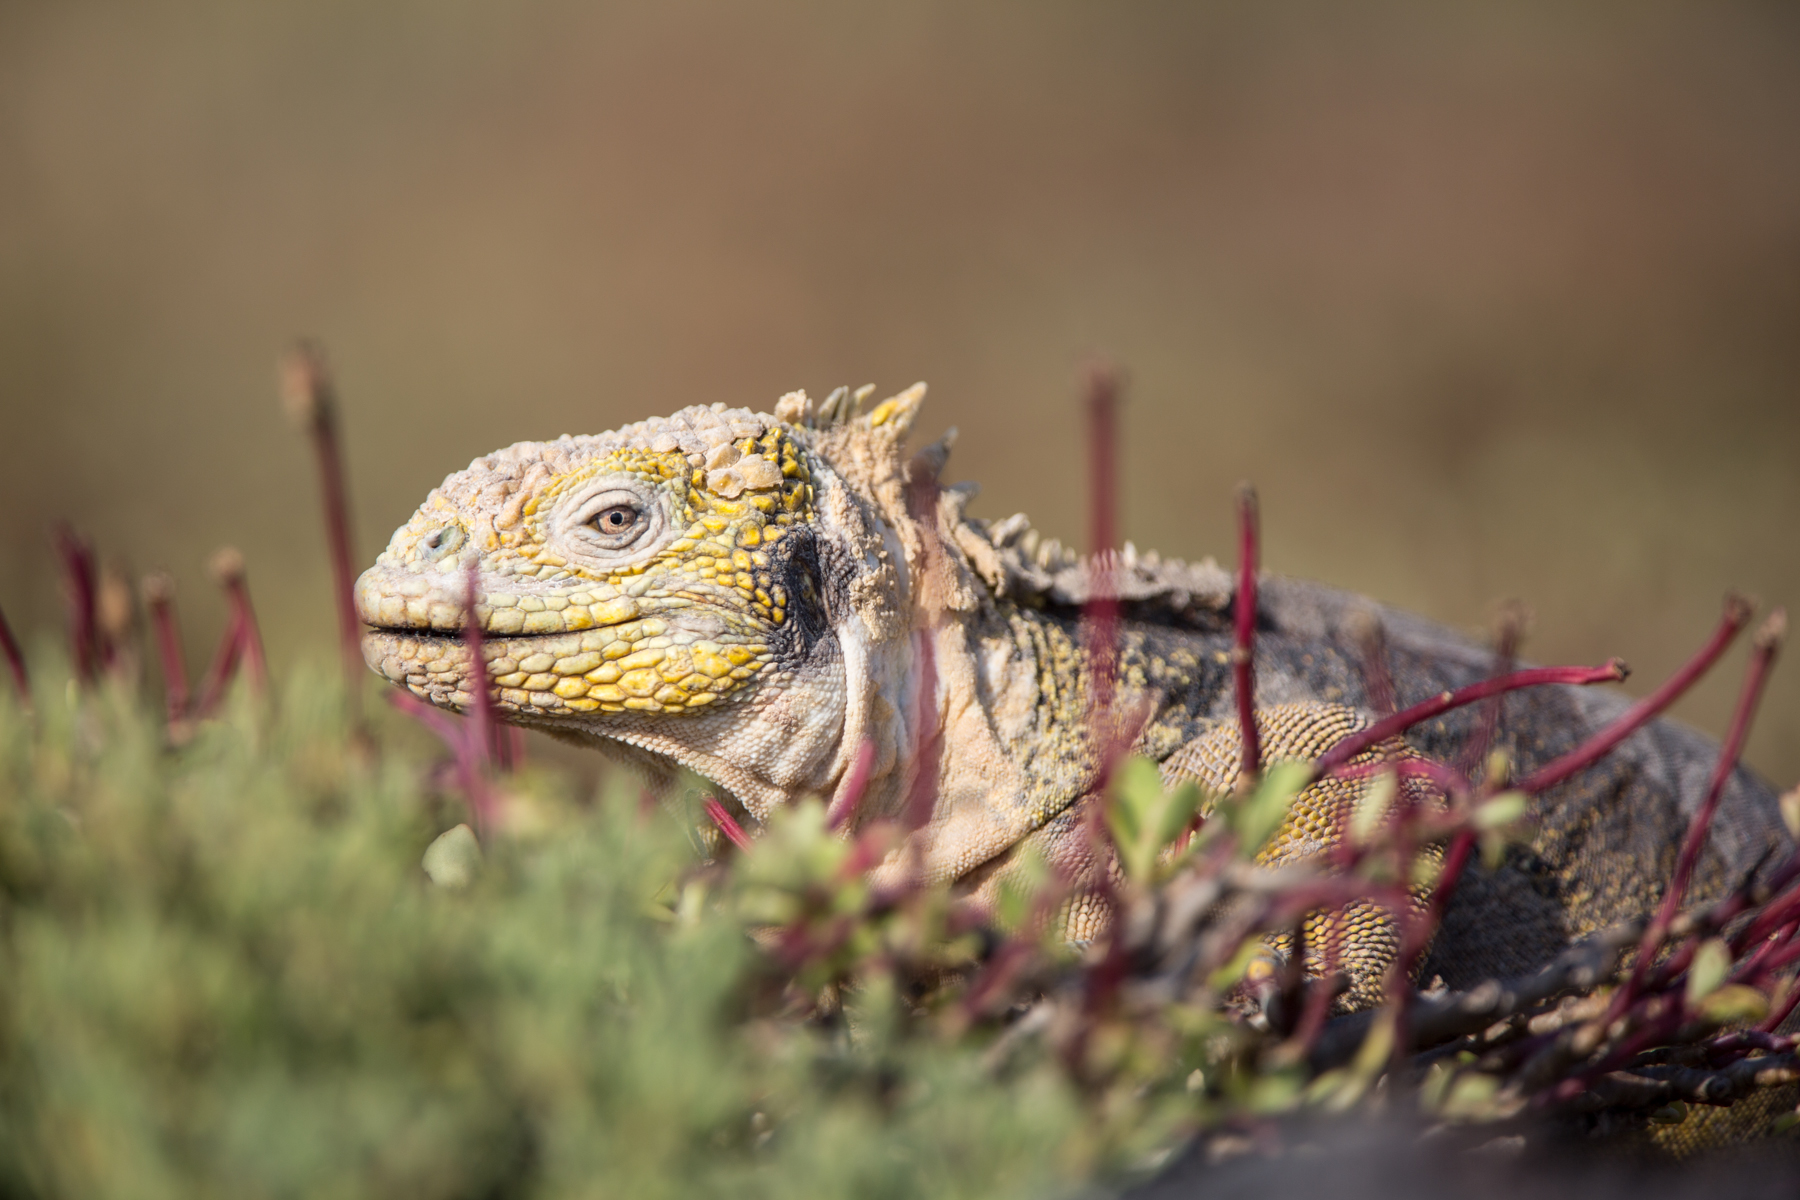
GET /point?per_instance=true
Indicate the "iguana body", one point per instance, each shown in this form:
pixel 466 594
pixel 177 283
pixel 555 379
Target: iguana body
pixel 758 597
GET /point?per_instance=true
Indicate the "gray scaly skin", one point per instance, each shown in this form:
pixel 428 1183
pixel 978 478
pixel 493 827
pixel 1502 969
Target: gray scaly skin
pixel 755 597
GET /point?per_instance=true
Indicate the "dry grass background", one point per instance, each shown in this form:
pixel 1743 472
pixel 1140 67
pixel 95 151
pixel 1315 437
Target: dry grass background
pixel 1489 300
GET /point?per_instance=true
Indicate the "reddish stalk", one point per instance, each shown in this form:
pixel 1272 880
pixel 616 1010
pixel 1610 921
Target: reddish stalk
pixel 1764 648
pixel 1100 615
pixel 1782 1011
pixel 228 569
pixel 159 600
pixel 483 728
pixel 1750 968
pixel 78 582
pixel 1456 857
pixel 459 737
pixel 440 723
pixel 1788 954
pixel 223 669
pixel 927 740
pixel 1414 768
pixel 1101 980
pixel 1001 968
pixel 1243 648
pixel 1400 722
pixel 1370 637
pixel 842 812
pixel 1323 989
pixel 727 824
pixel 1506 648
pixel 311 400
pixel 1779 910
pixel 1766 645
pixel 1736 616
pixel 921 796
pixel 115 624
pixel 866 850
pixel 15 661
pixel 509 748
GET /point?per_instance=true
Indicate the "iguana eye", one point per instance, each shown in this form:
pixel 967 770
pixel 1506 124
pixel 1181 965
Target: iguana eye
pixel 616 520
pixel 618 523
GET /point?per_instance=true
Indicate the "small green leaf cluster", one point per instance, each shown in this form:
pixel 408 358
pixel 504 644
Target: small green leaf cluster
pixel 1149 823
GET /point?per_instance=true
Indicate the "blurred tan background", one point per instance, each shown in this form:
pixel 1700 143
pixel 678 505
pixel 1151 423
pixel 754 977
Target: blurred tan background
pixel 1488 300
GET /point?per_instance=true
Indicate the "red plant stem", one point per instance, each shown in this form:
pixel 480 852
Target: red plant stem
pixel 511 748
pixel 998 973
pixel 1753 966
pixel 1782 1011
pixel 1417 768
pixel 1762 657
pixel 1243 649
pixel 1102 979
pixel 442 724
pixel 1332 891
pixel 311 399
pixel 1779 911
pixel 727 824
pixel 856 781
pixel 1733 1046
pixel 1100 615
pixel 1347 854
pixel 15 661
pixel 1652 1033
pixel 1456 857
pixel 224 666
pixel 1506 648
pixel 159 599
pixel 1416 935
pixel 1323 990
pixel 1378 682
pixel 1766 645
pixel 78 579
pixel 458 737
pixel 927 739
pixel 229 566
pixel 1355 743
pixel 1780 958
pixel 483 729
pixel 1103 423
pixel 1737 614
pixel 921 797
pixel 866 850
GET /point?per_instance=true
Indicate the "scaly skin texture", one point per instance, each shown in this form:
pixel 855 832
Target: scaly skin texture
pixel 755 597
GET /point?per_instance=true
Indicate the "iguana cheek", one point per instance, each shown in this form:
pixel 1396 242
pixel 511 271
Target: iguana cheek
pixel 508 616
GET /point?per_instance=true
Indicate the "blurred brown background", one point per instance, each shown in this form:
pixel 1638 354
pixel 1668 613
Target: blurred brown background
pixel 1490 300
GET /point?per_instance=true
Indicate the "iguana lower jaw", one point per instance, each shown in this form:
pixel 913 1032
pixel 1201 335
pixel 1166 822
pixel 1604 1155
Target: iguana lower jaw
pixel 705 588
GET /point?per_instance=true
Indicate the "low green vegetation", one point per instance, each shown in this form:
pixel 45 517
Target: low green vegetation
pixel 224 972
pixel 264 955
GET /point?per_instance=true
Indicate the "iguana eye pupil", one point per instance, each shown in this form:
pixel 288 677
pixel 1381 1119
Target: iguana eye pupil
pixel 616 519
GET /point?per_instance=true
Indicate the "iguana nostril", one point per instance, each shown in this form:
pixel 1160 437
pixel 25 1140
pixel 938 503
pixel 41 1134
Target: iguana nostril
pixel 441 541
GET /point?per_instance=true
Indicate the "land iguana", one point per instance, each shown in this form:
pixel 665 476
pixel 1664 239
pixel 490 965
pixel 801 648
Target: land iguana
pixel 790 605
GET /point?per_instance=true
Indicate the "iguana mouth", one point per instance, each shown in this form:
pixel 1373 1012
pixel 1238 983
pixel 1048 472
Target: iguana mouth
pixel 645 665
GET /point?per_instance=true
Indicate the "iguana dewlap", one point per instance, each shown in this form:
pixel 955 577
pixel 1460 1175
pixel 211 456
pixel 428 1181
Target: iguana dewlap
pixel 756 597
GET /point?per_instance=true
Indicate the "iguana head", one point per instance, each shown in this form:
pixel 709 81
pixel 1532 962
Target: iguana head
pixel 723 589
